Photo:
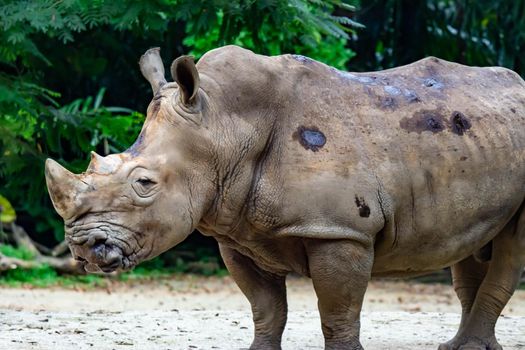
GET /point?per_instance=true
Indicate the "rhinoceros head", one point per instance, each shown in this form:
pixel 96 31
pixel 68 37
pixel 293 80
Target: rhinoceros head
pixel 132 206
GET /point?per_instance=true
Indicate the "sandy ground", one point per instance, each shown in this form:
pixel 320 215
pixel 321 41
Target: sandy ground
pixel 210 313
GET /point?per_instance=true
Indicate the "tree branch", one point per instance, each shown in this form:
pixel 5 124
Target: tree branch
pixel 23 240
pixel 64 264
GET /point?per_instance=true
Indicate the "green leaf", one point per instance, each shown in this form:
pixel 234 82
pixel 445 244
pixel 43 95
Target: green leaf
pixel 98 99
pixel 7 212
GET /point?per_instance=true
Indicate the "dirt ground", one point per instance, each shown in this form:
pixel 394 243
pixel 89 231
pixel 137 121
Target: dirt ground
pixel 211 313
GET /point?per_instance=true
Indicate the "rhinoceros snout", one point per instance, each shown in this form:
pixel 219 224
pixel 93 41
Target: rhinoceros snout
pixel 98 255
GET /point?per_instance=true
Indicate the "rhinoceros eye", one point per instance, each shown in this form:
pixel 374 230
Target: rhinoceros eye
pixel 144 186
pixel 144 181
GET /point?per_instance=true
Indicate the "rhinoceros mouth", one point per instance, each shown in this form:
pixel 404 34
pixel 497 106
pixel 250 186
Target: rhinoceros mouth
pixel 105 246
pixel 94 268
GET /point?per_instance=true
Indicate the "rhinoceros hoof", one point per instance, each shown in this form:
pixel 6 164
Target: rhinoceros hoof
pixel 344 346
pixel 262 345
pixel 471 343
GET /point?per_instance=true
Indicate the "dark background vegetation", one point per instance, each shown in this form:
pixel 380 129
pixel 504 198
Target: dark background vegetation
pixel 70 83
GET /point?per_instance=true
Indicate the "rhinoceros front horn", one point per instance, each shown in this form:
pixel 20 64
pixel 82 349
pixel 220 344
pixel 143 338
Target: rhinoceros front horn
pixel 64 188
pixel 152 69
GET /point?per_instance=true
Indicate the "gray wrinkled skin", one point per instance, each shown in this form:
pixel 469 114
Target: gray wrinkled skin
pixel 295 166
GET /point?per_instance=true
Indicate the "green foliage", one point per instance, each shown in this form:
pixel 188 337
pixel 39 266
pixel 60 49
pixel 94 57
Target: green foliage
pixel 275 27
pixel 483 33
pixel 7 213
pixel 42 276
pixel 45 276
pixel 19 253
pixel 66 133
pixel 61 20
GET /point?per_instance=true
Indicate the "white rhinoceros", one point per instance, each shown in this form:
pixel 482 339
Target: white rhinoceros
pixel 294 166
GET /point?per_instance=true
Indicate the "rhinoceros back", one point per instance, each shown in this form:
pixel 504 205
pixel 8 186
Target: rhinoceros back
pixel 433 150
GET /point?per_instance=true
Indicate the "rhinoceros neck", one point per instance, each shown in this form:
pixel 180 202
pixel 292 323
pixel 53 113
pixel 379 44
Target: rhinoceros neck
pixel 237 180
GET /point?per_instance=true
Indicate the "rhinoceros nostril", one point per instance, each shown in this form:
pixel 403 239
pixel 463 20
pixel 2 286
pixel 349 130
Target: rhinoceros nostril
pixel 99 251
pixel 99 241
pixel 96 238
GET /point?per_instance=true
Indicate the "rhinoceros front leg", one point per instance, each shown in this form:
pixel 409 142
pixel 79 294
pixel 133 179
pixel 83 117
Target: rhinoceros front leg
pixel 340 272
pixel 266 293
pixel 508 259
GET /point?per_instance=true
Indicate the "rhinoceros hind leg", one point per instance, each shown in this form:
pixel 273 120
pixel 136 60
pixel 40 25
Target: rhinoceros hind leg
pixel 502 277
pixel 266 293
pixel 467 276
pixel 340 272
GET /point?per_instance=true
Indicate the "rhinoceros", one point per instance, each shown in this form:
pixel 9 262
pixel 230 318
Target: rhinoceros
pixel 294 166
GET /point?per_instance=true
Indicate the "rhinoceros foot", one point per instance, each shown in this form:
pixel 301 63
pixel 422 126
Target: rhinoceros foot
pixel 471 343
pixel 256 345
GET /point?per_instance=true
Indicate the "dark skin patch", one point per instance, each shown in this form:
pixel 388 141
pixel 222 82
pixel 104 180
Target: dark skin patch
pixel 433 82
pixel 388 102
pixel 433 121
pixel 155 108
pixel 138 145
pixel 395 95
pixel 158 95
pixel 153 112
pixel 459 123
pixel 426 120
pixel 364 209
pixel 368 91
pixel 411 96
pixel 302 59
pixel 311 138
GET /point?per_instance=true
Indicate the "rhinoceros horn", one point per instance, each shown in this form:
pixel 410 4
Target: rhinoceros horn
pixel 103 165
pixel 95 162
pixel 64 188
pixel 152 69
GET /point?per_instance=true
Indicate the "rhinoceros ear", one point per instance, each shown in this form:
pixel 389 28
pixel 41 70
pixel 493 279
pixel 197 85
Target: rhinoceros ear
pixel 185 74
